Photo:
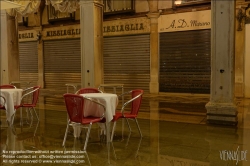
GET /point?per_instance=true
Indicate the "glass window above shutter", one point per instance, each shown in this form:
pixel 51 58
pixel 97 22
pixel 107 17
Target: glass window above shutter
pixel 118 6
pixel 190 2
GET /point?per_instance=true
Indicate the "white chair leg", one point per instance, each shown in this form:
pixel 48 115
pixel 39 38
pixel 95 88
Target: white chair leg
pixel 113 150
pixel 21 116
pixel 66 133
pixel 87 137
pixel 128 139
pixel 113 130
pixel 128 125
pixel 35 113
pixel 138 127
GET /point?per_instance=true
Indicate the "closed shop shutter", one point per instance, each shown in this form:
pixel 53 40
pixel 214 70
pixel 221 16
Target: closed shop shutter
pixel 185 61
pixel 28 55
pixel 62 64
pixel 127 61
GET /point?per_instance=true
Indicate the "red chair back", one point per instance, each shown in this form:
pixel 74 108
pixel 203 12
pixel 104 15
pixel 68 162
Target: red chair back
pixel 87 90
pixel 135 106
pixel 7 87
pixel 35 95
pixel 74 105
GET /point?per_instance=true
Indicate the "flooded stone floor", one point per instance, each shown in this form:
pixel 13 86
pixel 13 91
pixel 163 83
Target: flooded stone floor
pixel 174 128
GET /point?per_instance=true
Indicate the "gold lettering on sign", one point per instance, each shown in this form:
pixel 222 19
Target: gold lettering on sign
pixel 63 32
pixel 122 28
pixel 26 36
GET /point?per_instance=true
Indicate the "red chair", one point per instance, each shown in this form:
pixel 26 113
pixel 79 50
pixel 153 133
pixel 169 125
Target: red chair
pixel 135 102
pixel 2 102
pixel 88 90
pixel 7 87
pixel 75 109
pixel 29 99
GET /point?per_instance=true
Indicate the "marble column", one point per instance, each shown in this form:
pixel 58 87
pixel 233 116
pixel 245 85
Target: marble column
pixel 221 108
pixel 91 22
pixel 247 61
pixel 40 55
pixel 154 46
pixel 9 49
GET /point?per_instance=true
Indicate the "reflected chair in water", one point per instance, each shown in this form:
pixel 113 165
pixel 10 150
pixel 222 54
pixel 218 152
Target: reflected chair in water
pixel 135 103
pixel 28 137
pixel 88 90
pixel 29 100
pixel 76 111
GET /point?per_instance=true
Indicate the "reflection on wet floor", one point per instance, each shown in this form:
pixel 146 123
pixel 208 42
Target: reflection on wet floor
pixel 174 131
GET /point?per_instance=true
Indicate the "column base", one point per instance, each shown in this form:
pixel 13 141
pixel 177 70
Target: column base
pixel 222 113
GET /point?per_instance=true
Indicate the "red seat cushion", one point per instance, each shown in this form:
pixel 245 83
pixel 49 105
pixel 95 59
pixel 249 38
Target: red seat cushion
pixel 119 115
pixel 88 120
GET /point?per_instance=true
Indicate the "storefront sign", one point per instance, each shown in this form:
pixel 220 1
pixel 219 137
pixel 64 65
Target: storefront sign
pixel 110 28
pixel 126 26
pixel 61 32
pixel 185 21
pixel 30 35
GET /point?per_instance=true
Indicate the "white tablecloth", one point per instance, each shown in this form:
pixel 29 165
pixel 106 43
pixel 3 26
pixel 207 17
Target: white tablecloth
pixel 109 100
pixel 13 97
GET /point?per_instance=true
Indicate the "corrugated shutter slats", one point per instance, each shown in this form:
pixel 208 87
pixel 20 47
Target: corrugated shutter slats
pixel 185 61
pixel 28 55
pixel 62 64
pixel 127 61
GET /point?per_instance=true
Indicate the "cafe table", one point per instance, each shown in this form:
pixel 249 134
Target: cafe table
pixel 110 101
pixel 13 97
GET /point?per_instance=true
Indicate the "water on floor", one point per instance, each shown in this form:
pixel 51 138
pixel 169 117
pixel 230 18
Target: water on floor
pixel 174 128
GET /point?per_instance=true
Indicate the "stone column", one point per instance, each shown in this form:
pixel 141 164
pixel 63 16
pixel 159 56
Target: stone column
pixel 91 20
pixel 9 49
pixel 247 61
pixel 154 46
pixel 221 108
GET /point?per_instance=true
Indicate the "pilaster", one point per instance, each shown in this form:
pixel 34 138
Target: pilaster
pixel 40 52
pixel 91 20
pixel 154 53
pixel 221 108
pixel 9 49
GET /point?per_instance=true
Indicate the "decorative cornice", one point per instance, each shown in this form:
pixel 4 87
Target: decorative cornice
pixel 153 15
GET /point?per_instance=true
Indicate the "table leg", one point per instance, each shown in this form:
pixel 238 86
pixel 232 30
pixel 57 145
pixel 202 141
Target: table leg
pixel 77 130
pixel 108 139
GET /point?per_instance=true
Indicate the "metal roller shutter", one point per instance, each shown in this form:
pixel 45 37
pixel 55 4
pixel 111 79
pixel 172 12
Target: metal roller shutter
pixel 28 55
pixel 62 64
pixel 185 61
pixel 127 61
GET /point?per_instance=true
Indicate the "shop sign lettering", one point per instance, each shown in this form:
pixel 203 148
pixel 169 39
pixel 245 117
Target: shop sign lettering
pixel 26 35
pixel 122 28
pixel 64 32
pixel 182 23
pixel 185 21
